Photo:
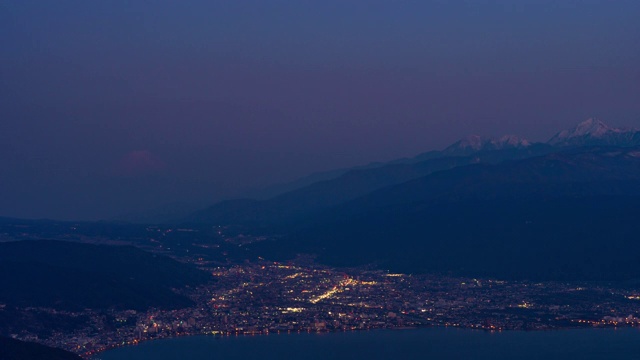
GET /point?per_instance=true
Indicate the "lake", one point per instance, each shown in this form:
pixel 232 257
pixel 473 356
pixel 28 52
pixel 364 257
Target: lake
pixel 428 343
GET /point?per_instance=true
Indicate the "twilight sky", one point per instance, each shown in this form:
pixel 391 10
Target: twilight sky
pixel 112 107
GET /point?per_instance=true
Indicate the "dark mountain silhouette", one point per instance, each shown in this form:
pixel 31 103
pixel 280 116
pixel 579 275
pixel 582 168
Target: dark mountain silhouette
pixel 566 209
pixel 69 275
pixel 277 189
pixel 12 349
pixel 308 201
pixel 568 215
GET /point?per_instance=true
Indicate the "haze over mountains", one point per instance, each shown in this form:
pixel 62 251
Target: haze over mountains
pixel 565 209
pixel 336 187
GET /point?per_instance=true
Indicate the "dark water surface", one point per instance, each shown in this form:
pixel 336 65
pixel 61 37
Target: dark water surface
pixel 430 343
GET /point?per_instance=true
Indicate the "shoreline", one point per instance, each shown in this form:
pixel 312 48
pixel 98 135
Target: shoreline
pixel 221 335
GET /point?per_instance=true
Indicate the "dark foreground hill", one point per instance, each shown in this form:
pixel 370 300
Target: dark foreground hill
pixel 568 215
pixel 11 349
pixel 67 275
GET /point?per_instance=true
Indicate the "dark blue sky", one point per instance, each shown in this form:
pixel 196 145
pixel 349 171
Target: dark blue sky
pixel 108 107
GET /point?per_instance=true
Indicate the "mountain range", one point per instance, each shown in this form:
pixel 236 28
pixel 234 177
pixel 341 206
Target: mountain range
pixel 346 185
pixel 570 215
pixel 590 132
pixel 507 207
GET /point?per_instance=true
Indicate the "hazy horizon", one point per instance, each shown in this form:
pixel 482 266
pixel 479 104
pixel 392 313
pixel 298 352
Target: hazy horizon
pixel 117 107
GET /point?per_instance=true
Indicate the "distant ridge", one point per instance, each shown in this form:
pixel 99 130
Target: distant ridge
pixel 566 209
pixel 589 132
pixel 290 206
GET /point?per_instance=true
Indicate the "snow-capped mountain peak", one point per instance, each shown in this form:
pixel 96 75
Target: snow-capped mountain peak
pixel 593 132
pixel 474 143
pixel 511 141
pixel 590 127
